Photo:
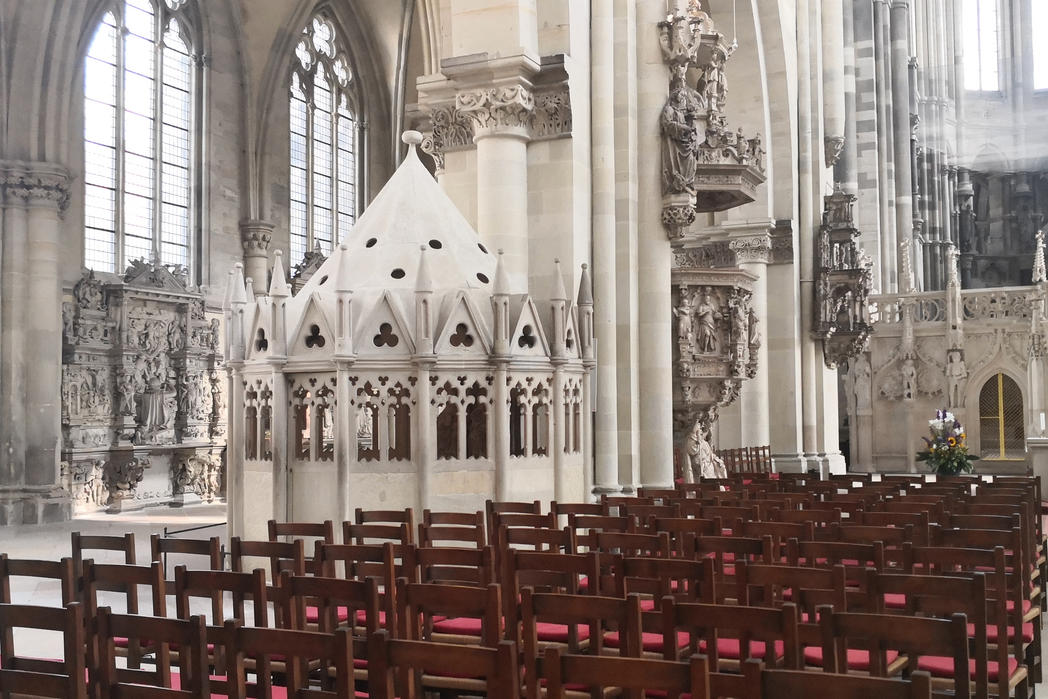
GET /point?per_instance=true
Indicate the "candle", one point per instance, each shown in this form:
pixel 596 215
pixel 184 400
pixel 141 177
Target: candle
pixel 1042 422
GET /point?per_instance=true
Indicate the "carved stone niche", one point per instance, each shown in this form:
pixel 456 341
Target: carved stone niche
pixel 141 366
pixel 843 281
pixel 717 338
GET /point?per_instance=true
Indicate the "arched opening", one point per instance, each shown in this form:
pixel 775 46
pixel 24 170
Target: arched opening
pixel 447 432
pixel 1001 431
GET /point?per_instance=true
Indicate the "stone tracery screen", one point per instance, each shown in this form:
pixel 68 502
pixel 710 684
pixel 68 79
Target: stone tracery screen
pixel 139 99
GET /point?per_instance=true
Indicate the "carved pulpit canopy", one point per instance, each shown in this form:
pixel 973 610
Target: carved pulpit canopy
pixel 717 339
pixel 706 165
pixel 843 281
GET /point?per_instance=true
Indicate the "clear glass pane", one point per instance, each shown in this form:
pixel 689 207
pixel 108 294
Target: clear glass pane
pixel 1039 24
pixel 100 249
pixel 99 164
pixel 175 145
pixel 138 94
pixel 140 19
pixel 138 175
pixel 138 134
pixel 174 185
pixel 139 55
pixel 99 207
pixel 100 81
pixel 100 123
pixel 970 28
pixel 138 217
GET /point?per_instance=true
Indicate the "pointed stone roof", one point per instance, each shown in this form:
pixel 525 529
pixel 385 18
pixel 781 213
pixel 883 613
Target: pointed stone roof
pixel 382 251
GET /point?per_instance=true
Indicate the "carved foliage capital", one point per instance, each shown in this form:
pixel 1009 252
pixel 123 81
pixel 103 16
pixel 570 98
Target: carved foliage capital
pixel 497 109
pixel 35 185
pixel 755 248
pixel 255 236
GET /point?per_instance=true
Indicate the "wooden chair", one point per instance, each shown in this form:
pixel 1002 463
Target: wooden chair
pixel 282 555
pixel 37 677
pixel 62 571
pixel 456 566
pixel 657 545
pixel 940 595
pixel 405 517
pixel 790 684
pixel 886 646
pixel 209 549
pixel 544 572
pixel 731 633
pixel 309 532
pixel 857 559
pixel 566 509
pixel 726 552
pixel 423 665
pixel 586 527
pixel 377 533
pixel 294 652
pixel 125 579
pixel 383 563
pixel 598 675
pixel 491 508
pixel 123 545
pixel 684 529
pixel 187 635
pixel 576 623
pixel 653 579
pixel 458 528
pixel 455 613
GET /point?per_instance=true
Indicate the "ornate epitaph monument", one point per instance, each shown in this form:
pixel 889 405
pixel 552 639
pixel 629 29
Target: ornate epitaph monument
pixel 142 407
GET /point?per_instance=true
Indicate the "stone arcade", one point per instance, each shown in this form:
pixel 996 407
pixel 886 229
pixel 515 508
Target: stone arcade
pixel 408 371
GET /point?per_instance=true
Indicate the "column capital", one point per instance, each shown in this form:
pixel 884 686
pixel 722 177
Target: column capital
pixel 751 248
pixel 255 236
pixel 34 184
pixel 503 110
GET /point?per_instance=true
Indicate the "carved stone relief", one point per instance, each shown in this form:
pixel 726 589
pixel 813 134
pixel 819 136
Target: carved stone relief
pixel 139 353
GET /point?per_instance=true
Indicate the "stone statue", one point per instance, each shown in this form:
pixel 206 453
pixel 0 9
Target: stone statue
pixel 175 336
pixel 754 340
pixel 126 388
pixel 708 315
pixel 703 462
pixel 216 335
pixel 88 293
pixel 909 379
pixel 956 376
pixel 863 383
pixel 680 140
pixel 685 325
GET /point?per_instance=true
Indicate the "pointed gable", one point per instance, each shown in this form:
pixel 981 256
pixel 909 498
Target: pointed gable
pixel 384 330
pixel 463 330
pixel 315 331
pixel 528 338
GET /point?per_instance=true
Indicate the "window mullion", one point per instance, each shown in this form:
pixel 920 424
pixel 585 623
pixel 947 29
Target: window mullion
pixel 158 121
pixel 334 168
pixel 118 195
pixel 310 168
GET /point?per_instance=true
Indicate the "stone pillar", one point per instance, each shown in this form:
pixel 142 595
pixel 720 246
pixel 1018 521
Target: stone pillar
pixel 605 280
pixel 255 236
pixel 501 425
pixel 500 129
pixel 345 439
pixel 833 79
pixel 281 443
pixel 560 486
pixel 752 254
pixel 35 197
pixel 426 433
pixel 12 344
pixel 846 170
pixel 883 98
pixel 900 87
pixel 654 260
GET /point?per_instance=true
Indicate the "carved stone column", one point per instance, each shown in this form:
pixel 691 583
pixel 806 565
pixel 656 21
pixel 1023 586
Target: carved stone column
pixel 752 254
pixel 501 116
pixel 36 195
pixel 255 236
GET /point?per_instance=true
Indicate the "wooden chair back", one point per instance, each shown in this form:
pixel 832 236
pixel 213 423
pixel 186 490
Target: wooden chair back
pixel 21 675
pixel 632 677
pixel 123 545
pixel 454 528
pixel 208 549
pixel 456 566
pixel 309 532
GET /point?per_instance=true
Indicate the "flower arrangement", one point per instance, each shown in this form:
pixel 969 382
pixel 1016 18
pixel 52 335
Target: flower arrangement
pixel 946 453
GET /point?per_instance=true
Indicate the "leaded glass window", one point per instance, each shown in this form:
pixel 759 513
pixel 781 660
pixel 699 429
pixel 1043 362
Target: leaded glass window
pixel 139 82
pixel 981 45
pixel 323 128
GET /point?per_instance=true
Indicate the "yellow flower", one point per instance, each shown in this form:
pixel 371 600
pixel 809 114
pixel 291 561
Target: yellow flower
pixel 952 442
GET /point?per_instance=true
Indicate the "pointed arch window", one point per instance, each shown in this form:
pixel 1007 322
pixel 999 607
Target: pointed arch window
pixel 140 78
pixel 323 130
pixel 1039 24
pixel 981 24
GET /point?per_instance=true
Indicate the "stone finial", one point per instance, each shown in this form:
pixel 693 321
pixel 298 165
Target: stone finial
pixel 249 286
pixel 953 275
pixel 585 287
pixel 501 276
pixel 238 292
pixel 229 290
pixel 560 293
pixel 278 285
pixel 423 278
pixel 345 273
pixel 907 284
pixel 412 138
pixel 1039 274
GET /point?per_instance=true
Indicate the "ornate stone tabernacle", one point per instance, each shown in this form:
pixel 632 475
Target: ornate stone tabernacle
pixel 142 413
pixel 410 370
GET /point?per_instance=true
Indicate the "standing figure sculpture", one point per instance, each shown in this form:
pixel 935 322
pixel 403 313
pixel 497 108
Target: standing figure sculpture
pixel 956 374
pixel 708 316
pixel 703 462
pixel 685 324
pixel 680 140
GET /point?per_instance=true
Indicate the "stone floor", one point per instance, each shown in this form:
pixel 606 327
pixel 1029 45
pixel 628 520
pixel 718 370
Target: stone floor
pixel 52 541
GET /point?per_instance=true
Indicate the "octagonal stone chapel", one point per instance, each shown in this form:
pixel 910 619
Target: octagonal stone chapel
pixel 289 258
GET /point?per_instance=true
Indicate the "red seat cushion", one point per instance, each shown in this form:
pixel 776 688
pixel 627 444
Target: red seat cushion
pixel 895 601
pixel 729 648
pixel 941 666
pixel 558 633
pixel 858 659
pixel 313 615
pixel 460 626
pixel 651 642
pixel 992 635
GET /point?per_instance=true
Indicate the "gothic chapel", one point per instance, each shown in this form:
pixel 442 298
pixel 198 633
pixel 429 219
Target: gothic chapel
pixel 291 258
